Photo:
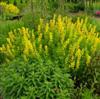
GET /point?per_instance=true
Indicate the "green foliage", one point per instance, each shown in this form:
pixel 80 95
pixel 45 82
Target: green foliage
pixel 87 94
pixel 40 79
pixel 8 26
pixel 96 22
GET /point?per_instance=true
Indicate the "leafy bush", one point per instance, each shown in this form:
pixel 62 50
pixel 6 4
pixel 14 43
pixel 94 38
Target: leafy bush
pixel 41 79
pixel 61 39
pixel 72 44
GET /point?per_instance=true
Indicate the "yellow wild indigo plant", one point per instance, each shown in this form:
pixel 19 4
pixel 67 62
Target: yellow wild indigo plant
pixel 73 43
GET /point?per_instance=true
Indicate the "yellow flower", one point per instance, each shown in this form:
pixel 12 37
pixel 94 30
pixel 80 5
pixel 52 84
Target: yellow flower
pixel 72 64
pixel 3 47
pixel 40 48
pixel 40 37
pixel 60 24
pixel 46 49
pixel 88 59
pixel 52 23
pixel 51 37
pixel 47 27
pixel 39 28
pixel 66 43
pixel 9 42
pixel 12 9
pixel 9 52
pixel 26 52
pixel 78 55
pixel 33 37
pixel 11 36
pixel 9 8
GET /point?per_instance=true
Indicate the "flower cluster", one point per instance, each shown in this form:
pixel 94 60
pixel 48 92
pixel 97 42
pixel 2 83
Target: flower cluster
pixel 9 8
pixel 60 38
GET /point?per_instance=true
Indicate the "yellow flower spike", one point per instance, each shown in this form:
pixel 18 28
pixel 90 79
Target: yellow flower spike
pixel 33 37
pixel 78 52
pixel 88 59
pixel 3 47
pixel 9 42
pixel 9 52
pixel 29 45
pixel 94 47
pixel 39 28
pixel 27 32
pixel 46 49
pixel 62 35
pixel 78 55
pixel 66 43
pixel 20 31
pixel 59 18
pixel 40 48
pixel 86 19
pixel 26 52
pixel 71 50
pixel 52 23
pixel 54 17
pixel 78 63
pixel 40 37
pixel 93 29
pixel 60 24
pixel 51 37
pixel 90 26
pixel 47 27
pixel 82 52
pixel 23 29
pixel 11 36
pixel 72 64
pixel 41 21
pixel 82 21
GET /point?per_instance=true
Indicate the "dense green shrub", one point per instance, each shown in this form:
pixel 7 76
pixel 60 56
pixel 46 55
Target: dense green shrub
pixel 71 44
pixel 41 79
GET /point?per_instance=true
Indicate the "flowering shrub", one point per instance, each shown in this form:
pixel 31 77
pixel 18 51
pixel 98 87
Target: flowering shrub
pixel 9 9
pixel 70 45
pixel 74 43
pixel 12 9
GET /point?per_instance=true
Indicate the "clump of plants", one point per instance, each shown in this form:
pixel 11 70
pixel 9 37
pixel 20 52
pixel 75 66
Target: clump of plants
pixel 71 45
pixel 40 79
pixel 60 38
